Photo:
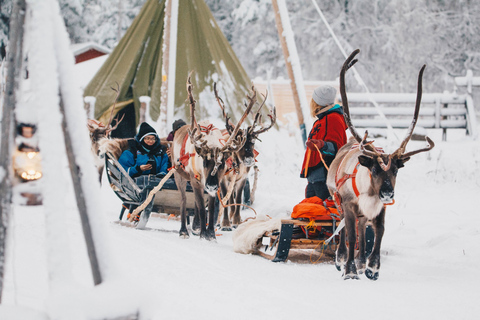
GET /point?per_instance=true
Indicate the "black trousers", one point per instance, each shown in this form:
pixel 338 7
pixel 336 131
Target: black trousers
pixel 318 189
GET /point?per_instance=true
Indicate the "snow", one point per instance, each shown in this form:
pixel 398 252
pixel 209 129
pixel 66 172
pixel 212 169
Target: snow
pixel 430 252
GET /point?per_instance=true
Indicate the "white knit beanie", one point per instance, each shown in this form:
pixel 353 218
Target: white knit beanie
pixel 324 95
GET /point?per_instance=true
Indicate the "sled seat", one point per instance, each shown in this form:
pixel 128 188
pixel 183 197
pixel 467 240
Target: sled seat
pixel 133 192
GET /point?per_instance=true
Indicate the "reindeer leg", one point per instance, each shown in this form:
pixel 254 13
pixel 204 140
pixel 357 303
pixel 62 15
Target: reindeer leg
pixel 350 271
pixel 200 204
pixel 237 219
pixel 373 263
pixel 341 253
pixel 181 185
pixel 211 218
pixel 100 173
pixel 361 259
pixel 226 226
pixel 196 220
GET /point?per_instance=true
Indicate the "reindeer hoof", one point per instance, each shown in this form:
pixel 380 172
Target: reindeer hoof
pixel 338 266
pixel 208 236
pixel 196 232
pixel 226 229
pixel 349 276
pixel 184 236
pixel 371 275
pixel 361 268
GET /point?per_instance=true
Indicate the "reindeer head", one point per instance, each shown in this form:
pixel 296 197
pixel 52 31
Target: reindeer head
pixel 210 145
pixel 99 130
pixel 246 153
pixel 383 167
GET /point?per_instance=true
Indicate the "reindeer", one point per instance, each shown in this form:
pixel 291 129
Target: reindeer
pixel 362 181
pixel 242 161
pixel 100 134
pixel 199 153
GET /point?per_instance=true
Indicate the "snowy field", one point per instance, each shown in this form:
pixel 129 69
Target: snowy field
pixel 430 253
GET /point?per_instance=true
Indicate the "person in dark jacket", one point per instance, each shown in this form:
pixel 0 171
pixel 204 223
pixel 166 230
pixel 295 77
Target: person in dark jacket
pixel 146 155
pixel 177 124
pixel 327 136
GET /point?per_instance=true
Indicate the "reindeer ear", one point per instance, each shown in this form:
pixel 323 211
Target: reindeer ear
pixel 401 162
pixel 365 161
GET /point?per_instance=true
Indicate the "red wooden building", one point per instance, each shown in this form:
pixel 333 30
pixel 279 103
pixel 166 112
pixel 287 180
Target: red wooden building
pixel 88 50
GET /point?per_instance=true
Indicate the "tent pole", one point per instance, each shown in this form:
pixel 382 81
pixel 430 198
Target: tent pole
pixel 292 62
pixel 14 58
pixel 165 70
pixel 168 66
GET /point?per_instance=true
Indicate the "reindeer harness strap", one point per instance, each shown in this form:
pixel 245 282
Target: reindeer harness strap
pixel 340 182
pixel 185 157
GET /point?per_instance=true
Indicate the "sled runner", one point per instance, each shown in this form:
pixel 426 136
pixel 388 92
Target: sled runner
pixel 133 193
pixel 292 236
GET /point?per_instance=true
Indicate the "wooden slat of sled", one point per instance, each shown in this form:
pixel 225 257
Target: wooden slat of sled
pixel 323 223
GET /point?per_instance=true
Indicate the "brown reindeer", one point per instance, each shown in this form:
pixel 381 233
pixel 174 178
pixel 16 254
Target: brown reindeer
pixel 199 154
pixel 99 133
pixel 362 181
pixel 242 161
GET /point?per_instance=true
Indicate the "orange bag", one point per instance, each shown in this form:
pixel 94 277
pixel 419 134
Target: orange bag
pixel 315 208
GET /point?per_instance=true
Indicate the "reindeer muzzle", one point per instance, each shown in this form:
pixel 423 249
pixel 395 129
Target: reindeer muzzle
pixel 387 192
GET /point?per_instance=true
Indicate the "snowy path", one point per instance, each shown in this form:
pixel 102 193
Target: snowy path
pixel 430 255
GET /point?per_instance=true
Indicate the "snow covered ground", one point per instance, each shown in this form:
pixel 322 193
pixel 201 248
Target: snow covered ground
pixel 430 253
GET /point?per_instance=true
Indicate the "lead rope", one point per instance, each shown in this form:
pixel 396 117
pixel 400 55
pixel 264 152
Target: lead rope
pixel 227 196
pixel 139 209
pixel 225 199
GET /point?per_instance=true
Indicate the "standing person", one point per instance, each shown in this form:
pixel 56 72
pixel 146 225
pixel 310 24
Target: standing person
pixel 146 155
pixel 328 135
pixel 177 124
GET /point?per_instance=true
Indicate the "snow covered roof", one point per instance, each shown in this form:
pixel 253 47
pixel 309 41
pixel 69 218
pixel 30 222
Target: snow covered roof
pixel 79 48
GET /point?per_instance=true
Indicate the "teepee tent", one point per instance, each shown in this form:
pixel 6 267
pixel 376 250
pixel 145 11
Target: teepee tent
pixel 136 65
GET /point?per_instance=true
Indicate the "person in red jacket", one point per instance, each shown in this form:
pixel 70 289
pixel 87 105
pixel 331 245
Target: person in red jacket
pixel 327 136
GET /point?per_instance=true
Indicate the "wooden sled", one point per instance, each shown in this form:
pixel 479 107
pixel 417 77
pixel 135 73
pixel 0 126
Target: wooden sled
pixel 134 192
pixel 276 245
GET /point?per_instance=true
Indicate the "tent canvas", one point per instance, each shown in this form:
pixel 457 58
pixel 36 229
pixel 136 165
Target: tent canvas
pixel 136 65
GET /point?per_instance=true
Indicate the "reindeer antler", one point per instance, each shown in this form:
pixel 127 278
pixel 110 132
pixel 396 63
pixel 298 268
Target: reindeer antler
pixel 194 128
pixel 371 152
pixel 374 153
pixel 347 65
pixel 240 141
pixel 117 90
pixel 399 152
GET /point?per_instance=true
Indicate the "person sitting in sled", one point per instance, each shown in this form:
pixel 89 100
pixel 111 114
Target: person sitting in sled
pixel 146 155
pixel 327 137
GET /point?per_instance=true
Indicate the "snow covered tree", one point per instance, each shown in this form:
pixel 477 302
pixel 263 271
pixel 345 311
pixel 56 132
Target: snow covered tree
pixel 5 12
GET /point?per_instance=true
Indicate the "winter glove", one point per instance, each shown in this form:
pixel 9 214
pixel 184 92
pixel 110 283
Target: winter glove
pixel 314 142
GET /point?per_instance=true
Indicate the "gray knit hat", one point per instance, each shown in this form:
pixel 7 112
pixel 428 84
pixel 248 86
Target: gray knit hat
pixel 324 95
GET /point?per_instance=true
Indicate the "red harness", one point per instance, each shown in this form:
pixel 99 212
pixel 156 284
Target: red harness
pixel 340 182
pixel 184 157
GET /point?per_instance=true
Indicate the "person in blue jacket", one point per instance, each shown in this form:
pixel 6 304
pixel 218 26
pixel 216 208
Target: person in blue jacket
pixel 146 155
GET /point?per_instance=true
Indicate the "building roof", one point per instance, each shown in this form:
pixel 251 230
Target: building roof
pixel 79 48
